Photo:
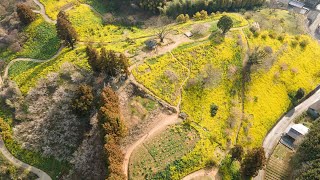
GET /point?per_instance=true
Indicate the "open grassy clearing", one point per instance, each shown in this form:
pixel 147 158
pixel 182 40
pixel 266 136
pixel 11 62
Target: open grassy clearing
pixel 164 148
pixel 41 42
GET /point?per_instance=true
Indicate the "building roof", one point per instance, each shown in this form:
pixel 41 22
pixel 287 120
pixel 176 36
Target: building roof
pixel 312 15
pixel 316 106
pixel 300 128
pixel 296 4
pixel 188 34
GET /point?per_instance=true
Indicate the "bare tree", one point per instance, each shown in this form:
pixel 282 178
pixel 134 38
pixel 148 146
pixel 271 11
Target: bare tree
pixel 163 28
pixel 163 32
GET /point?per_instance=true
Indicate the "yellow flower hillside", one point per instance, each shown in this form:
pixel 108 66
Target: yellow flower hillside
pixel 267 98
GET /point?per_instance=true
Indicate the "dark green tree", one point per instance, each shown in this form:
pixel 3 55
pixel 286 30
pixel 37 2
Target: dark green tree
pixel 83 102
pixel 237 152
pixel 26 15
pixel 254 161
pixel 213 110
pixel 65 30
pixel 93 59
pixel 300 93
pixel 225 23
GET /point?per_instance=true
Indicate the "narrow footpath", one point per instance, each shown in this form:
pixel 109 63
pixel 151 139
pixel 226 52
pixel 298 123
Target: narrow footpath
pixel 16 162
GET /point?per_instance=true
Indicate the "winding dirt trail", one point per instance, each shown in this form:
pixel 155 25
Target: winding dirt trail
pixel 43 12
pixel 6 70
pixel 16 162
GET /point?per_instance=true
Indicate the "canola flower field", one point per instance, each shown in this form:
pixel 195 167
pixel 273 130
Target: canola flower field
pixel 196 75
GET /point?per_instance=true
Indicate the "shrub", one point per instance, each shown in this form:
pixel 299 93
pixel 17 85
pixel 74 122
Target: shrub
pixel 281 37
pixel 83 102
pixel 197 16
pixel 300 93
pixel 264 36
pixel 304 43
pixel 182 18
pixel 256 34
pixel 213 110
pixel 204 14
pixel 237 152
pixel 272 34
pixel 294 43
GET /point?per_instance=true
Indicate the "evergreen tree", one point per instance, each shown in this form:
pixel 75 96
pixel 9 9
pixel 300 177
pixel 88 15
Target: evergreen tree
pixel 65 30
pixel 254 161
pixel 225 23
pixel 26 15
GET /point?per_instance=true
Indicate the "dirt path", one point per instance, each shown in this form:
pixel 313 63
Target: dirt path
pixel 273 137
pixel 42 175
pixel 210 173
pixel 244 72
pixel 43 12
pixel 6 70
pixel 163 123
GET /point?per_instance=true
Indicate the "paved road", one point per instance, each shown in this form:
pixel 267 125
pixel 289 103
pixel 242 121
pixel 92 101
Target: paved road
pixel 16 162
pixel 274 135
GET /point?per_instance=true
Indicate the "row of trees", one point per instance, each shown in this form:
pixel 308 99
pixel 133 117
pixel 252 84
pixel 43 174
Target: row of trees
pixel 175 7
pixel 107 61
pixel 115 129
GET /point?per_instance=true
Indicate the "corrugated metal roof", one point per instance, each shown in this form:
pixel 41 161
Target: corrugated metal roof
pixel 296 4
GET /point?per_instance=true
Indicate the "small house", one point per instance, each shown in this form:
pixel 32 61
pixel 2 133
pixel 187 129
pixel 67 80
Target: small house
pixel 294 134
pixel 314 110
pixel 188 34
pixel 311 3
pixel 296 4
